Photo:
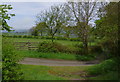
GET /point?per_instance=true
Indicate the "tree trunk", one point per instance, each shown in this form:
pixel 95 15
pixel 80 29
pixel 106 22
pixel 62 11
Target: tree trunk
pixel 85 43
pixel 41 33
pixel 52 38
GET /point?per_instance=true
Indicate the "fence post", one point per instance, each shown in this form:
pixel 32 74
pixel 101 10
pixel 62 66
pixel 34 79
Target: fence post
pixel 29 46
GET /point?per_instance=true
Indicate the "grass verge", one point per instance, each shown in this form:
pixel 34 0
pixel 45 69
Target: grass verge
pixel 37 72
pixel 35 54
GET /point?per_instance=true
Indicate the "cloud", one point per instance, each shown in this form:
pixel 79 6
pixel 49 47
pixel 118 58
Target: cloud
pixel 26 13
pixel 34 0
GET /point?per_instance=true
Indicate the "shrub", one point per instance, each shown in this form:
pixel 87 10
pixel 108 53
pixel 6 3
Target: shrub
pixel 61 38
pixel 14 36
pixel 19 36
pixel 11 69
pixel 53 47
pixel 46 47
pixel 110 47
pixel 74 39
pixel 24 36
pixel 95 49
pixel 80 49
pixel 29 36
pixel 104 67
pixel 79 45
pixel 85 57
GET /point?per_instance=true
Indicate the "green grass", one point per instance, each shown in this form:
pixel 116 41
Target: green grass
pixel 33 72
pixel 50 55
pixel 113 75
pixel 35 54
pixel 106 70
pixel 64 42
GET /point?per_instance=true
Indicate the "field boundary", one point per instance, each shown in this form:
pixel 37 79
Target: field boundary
pixel 26 45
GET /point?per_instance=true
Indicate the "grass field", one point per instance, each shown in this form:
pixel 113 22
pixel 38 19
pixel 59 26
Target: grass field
pixel 108 76
pixel 35 54
pixel 50 55
pixel 38 72
pixel 33 72
pixel 64 42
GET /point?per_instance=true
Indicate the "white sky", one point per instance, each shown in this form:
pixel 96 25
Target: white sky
pixel 26 13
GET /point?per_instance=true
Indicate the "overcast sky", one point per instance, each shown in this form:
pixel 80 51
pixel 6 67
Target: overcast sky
pixel 26 13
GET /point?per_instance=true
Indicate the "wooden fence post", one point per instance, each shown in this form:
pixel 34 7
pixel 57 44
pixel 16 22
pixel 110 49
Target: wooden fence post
pixel 29 46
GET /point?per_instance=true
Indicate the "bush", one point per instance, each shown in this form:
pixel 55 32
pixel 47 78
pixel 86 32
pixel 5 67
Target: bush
pixel 80 50
pixel 61 38
pixel 85 57
pixel 14 36
pixel 74 39
pixel 46 47
pixel 53 47
pixel 11 69
pixel 104 67
pixel 19 36
pixel 79 45
pixel 95 49
pixel 110 47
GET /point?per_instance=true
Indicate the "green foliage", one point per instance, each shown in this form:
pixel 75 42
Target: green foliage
pixel 34 32
pixel 11 69
pixel 48 55
pixel 110 48
pixel 80 49
pixel 107 28
pixel 85 57
pixel 52 47
pixel 46 47
pixel 95 49
pixel 79 45
pixel 61 38
pixel 74 39
pixel 104 67
pixel 112 75
pixel 42 37
pixel 5 16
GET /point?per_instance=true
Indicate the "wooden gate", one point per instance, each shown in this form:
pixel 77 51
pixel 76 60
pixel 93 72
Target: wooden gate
pixel 26 45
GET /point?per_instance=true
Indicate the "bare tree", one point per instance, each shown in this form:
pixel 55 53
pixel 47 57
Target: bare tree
pixel 83 13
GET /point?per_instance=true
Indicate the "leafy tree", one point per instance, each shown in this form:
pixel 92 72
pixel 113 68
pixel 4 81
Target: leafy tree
pixel 10 67
pixel 68 30
pixel 34 31
pixel 41 27
pixel 107 27
pixel 5 16
pixel 54 19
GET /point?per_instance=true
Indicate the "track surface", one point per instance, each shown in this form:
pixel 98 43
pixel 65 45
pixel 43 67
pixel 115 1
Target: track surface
pixel 55 62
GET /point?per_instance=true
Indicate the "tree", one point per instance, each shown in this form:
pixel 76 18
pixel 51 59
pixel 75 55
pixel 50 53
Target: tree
pixel 34 31
pixel 41 27
pixel 107 27
pixel 54 19
pixel 5 16
pixel 10 67
pixel 68 30
pixel 83 13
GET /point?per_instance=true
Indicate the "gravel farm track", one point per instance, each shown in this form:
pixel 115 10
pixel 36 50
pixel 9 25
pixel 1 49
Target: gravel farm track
pixel 56 62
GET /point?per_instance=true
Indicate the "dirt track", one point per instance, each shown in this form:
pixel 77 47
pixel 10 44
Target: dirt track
pixel 55 62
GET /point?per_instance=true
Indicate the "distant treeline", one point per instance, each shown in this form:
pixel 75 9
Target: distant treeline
pixel 42 37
